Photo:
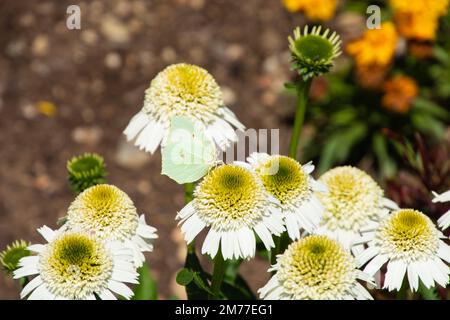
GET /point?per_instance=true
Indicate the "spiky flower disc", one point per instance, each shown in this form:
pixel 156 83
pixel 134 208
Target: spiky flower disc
pixel 76 266
pixel 10 257
pixel 182 90
pixel 410 244
pixel 315 268
pixel 314 53
pixel 354 203
pixel 86 171
pixel 233 203
pixel 291 184
pixel 110 214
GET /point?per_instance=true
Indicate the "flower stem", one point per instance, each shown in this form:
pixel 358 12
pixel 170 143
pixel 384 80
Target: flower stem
pixel 218 274
pixel 303 87
pixel 188 192
pixel 188 197
pixel 302 98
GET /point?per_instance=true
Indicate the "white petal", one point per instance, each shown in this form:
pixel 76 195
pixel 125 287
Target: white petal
pixel 123 276
pixel 366 255
pixel 394 276
pixel 413 277
pixel 424 274
pixel 211 243
pixel 107 295
pixel 33 284
pixel 444 251
pixel 376 264
pixel 47 233
pixel 41 293
pixel 264 235
pixel 26 271
pixel 120 288
pixel 137 123
pixel 192 227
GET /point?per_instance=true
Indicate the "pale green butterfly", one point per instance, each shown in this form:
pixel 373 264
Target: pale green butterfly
pixel 188 153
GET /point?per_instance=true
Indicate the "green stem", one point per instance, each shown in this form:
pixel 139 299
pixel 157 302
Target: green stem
pixel 218 275
pixel 303 87
pixel 302 98
pixel 188 197
pixel 188 192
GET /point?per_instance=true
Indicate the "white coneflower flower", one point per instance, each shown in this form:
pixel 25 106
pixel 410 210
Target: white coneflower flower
pixel 182 90
pixel 110 214
pixel 354 202
pixel 232 201
pixel 410 244
pixel 316 268
pixel 76 266
pixel 444 221
pixel 291 184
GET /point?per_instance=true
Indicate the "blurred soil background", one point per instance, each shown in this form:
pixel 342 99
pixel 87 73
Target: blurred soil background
pixel 65 92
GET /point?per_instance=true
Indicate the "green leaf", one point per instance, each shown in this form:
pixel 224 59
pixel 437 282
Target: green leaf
pixel 428 293
pixel 421 105
pixel 239 290
pixel 388 166
pixel 146 289
pixel 194 290
pixel 201 282
pixel 184 277
pixel 428 125
pixel 340 144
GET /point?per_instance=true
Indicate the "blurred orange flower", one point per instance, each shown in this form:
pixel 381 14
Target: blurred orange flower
pixel 400 91
pixel 418 19
pixel 314 9
pixel 376 47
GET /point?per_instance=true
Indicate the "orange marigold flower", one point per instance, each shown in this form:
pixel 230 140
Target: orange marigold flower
pixel 376 47
pixel 400 92
pixel 418 19
pixel 416 26
pixel 314 9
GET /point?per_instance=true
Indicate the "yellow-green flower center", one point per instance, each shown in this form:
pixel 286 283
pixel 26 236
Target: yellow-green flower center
pixel 230 196
pixel 75 266
pixel 353 199
pixel 106 211
pixel 316 267
pixel 288 180
pixel 183 90
pixel 407 234
pixel 315 48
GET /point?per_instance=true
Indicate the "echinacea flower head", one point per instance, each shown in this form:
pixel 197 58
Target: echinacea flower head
pixel 182 90
pixel 291 184
pixel 444 220
pixel 316 268
pixel 313 53
pixel 375 47
pixel 76 266
pixel 110 214
pixel 408 241
pixel 322 10
pixel 233 203
pixel 400 92
pixel 86 171
pixel 10 257
pixel 354 202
